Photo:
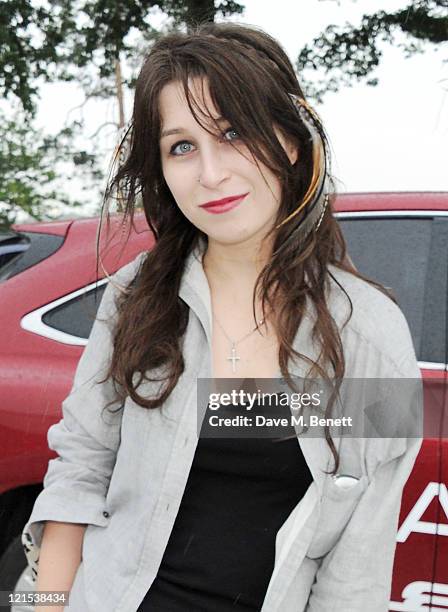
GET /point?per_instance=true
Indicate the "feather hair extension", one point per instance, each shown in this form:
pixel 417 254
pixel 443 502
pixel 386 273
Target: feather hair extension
pixel 316 197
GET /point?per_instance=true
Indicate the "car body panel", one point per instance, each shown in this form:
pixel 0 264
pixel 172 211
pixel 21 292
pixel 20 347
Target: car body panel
pixel 36 372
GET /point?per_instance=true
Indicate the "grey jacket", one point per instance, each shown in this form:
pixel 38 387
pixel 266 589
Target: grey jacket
pixel 124 475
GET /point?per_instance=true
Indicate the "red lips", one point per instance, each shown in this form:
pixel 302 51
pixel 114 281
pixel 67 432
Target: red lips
pixel 213 203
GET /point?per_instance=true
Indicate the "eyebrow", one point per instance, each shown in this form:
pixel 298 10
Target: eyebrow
pixel 172 131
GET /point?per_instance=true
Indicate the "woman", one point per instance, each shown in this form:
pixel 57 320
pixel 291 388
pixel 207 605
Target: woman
pixel 248 279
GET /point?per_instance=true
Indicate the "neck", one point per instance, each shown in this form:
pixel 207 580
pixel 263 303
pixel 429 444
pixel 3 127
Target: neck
pixel 234 265
pixel 231 272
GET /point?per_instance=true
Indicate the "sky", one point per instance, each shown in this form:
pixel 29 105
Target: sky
pixel 386 138
pixel 391 137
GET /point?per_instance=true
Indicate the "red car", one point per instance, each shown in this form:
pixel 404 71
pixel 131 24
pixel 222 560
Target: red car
pixel 49 296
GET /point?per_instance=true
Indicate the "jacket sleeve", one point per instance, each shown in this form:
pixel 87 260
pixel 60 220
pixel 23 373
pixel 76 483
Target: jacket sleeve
pixel 356 573
pixel 86 438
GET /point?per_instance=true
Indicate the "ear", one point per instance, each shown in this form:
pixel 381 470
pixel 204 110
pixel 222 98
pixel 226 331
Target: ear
pixel 289 146
pixel 292 152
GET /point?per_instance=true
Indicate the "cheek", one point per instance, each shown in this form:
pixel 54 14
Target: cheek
pixel 266 185
pixel 177 183
pixel 270 194
pixel 181 189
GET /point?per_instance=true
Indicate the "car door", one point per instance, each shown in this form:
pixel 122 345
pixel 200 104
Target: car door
pixel 439 599
pixel 407 251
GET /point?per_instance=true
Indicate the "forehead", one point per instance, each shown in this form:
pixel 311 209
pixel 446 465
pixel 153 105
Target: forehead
pixel 173 106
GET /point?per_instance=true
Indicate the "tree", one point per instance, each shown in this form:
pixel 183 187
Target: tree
pixel 55 42
pixel 351 53
pixel 98 43
pixel 32 166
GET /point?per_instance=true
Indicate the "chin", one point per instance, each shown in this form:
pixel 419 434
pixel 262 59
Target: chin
pixel 232 238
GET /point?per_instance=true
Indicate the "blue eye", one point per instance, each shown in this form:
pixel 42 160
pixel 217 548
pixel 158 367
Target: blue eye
pixel 179 144
pixel 232 130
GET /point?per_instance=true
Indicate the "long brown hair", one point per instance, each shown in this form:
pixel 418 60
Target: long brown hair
pixel 150 312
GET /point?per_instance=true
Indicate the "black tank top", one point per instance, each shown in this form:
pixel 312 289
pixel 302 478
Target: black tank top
pixel 220 554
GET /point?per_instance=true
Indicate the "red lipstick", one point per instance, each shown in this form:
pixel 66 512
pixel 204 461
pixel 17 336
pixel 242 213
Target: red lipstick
pixel 223 205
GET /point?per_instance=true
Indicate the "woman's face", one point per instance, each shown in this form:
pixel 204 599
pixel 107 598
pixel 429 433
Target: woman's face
pixel 225 171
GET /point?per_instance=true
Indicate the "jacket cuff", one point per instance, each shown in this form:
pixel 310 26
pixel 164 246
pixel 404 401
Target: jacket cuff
pixel 61 507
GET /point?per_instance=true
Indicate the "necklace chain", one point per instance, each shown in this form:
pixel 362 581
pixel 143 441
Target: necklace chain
pixel 233 356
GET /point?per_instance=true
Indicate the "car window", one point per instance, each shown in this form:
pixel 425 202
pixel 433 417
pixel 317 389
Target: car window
pixel 11 245
pixel 20 251
pixel 397 252
pixel 76 316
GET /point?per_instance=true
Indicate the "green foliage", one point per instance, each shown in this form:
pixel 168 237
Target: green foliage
pixel 20 59
pixel 54 41
pixel 32 168
pixel 351 53
pixel 195 11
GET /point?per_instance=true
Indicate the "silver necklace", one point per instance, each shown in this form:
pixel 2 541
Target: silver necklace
pixel 233 356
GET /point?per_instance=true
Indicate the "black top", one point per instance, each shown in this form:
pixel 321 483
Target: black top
pixel 220 555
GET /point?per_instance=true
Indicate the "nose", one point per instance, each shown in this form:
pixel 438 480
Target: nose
pixel 212 168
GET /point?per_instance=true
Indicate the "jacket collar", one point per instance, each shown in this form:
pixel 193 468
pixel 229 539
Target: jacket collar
pixel 194 289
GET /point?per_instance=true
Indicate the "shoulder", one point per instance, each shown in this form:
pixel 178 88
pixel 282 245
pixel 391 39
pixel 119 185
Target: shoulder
pixel 373 310
pixel 377 324
pixel 128 272
pixel 117 284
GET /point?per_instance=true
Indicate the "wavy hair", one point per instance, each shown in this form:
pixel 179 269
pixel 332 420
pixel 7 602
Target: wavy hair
pixel 150 312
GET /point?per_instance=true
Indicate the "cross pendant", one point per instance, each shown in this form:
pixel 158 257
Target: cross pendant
pixel 233 358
